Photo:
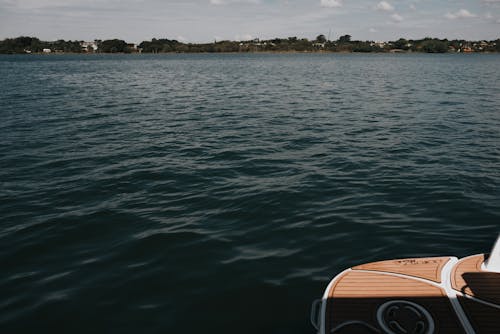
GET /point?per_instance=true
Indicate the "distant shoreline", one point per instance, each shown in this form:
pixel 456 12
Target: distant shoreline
pixel 239 53
pixel 290 45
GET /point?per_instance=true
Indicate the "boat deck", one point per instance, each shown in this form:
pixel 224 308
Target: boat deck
pixel 422 295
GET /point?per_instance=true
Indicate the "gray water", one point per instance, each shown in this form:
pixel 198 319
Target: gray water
pixel 220 193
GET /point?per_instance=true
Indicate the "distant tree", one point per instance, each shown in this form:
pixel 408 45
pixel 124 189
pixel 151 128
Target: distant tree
pixel 23 44
pixel 66 46
pixel 331 46
pixel 182 48
pixel 456 43
pixel 344 39
pixel 321 39
pixel 302 45
pixel 166 45
pixel 113 46
pixel 434 46
pixel 364 47
pixel 401 44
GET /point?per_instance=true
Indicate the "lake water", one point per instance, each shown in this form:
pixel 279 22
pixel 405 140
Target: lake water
pixel 221 193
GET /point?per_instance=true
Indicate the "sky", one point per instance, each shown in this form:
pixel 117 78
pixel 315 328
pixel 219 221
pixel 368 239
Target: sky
pixel 208 20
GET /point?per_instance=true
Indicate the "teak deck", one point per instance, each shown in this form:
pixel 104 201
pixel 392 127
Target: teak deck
pixel 419 296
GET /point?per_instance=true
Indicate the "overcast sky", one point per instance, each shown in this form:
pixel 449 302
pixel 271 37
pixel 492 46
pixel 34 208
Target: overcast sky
pixel 206 20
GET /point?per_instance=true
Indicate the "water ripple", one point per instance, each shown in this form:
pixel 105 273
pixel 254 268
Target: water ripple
pixel 140 190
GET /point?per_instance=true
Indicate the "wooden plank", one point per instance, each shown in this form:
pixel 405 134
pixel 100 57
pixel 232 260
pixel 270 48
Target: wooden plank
pixel 374 284
pixel 427 268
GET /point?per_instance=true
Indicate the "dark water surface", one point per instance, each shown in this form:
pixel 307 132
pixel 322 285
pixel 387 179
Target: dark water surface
pixel 220 193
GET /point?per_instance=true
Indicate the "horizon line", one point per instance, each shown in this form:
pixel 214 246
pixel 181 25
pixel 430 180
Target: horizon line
pixel 184 41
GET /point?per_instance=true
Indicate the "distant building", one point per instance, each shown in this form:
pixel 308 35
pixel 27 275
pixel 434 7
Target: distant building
pixel 89 46
pixel 379 44
pixel 47 50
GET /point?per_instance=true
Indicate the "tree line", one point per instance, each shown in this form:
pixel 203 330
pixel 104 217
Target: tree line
pixel 291 44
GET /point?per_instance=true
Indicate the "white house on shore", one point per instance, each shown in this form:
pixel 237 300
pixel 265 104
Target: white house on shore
pixel 89 46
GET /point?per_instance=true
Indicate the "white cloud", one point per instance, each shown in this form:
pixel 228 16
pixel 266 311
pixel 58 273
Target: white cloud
pixel 182 39
pixel 385 6
pixel 201 20
pixel 57 4
pixel 331 3
pixel 461 14
pixel 245 37
pixel 226 2
pixel 396 17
